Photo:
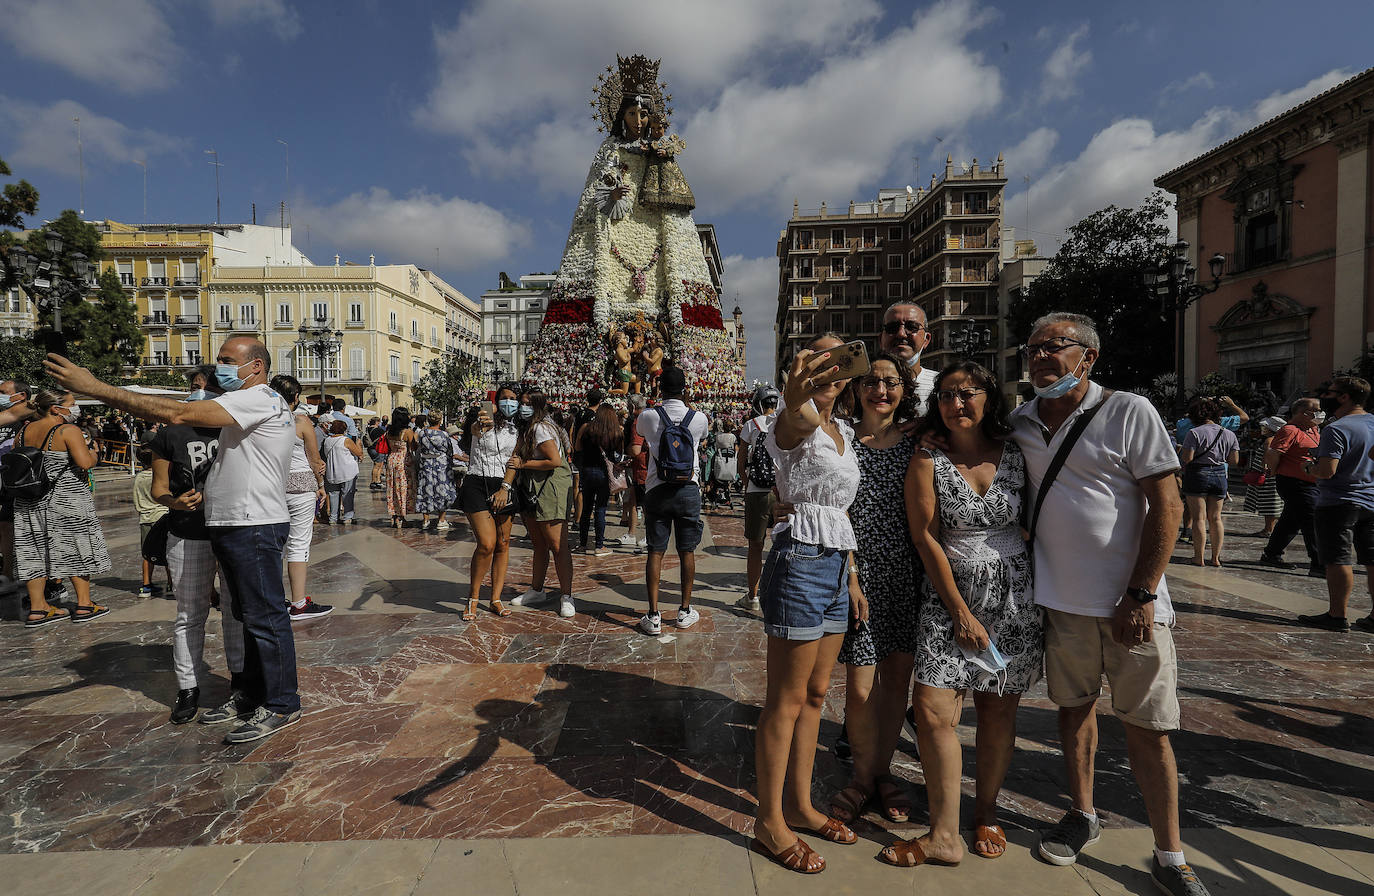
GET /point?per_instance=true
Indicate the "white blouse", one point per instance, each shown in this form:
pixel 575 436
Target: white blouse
pixel 820 484
pixel 491 450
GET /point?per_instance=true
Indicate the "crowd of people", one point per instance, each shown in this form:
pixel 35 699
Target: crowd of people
pixel 931 539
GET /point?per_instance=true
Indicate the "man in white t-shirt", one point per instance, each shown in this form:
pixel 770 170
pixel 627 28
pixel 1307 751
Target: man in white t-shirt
pixel 905 334
pixel 1106 529
pixel 671 506
pixel 245 510
pixel 759 499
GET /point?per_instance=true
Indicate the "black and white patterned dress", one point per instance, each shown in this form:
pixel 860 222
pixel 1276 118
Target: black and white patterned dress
pixel 889 570
pixel 981 536
pixel 59 535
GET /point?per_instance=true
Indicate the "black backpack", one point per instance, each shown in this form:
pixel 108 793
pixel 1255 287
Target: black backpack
pixel 22 473
pixel 762 471
pixel 676 449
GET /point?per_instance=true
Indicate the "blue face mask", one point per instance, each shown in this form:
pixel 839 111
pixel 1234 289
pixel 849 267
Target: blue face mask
pixel 5 401
pixel 1062 386
pixel 526 412
pixel 508 407
pixel 198 395
pixel 227 375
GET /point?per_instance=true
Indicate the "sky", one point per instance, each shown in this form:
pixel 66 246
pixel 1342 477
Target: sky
pixel 458 136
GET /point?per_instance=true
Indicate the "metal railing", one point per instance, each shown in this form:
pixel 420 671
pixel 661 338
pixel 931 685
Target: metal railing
pixel 187 320
pixel 396 377
pixel 157 319
pixel 154 281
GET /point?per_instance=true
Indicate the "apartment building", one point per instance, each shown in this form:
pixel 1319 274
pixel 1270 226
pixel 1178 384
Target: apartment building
pixel 937 247
pixel 511 316
pixel 390 322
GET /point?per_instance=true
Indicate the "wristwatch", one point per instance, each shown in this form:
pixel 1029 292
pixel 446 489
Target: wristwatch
pixel 1140 595
pixel 505 486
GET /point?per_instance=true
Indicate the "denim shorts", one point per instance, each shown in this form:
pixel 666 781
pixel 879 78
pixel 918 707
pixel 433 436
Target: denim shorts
pixel 805 590
pixel 1204 482
pixel 1343 529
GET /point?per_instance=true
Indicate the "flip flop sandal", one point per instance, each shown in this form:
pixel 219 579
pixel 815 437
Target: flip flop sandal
pixel 86 614
pixel 499 608
pixel 833 831
pixel 796 857
pixel 849 803
pixel 908 854
pixel 38 618
pixel 989 833
pixel 896 804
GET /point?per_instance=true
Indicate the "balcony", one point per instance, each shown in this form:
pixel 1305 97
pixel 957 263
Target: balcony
pixel 157 361
pixel 808 275
pixel 156 321
pixel 309 375
pixel 245 324
pixel 187 321
pixel 396 378
pixel 501 337
pixel 186 281
pixel 126 279
pixel 282 325
pixel 355 324
pixel 357 375
pixel 965 209
pixel 154 282
pixel 969 242
pixel 870 274
pixel 395 329
pixel 958 275
pixel 223 323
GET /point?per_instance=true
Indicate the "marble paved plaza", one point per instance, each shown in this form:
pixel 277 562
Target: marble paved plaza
pixel 535 754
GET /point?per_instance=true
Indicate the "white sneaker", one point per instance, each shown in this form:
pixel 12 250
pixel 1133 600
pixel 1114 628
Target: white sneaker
pixel 628 541
pixel 566 608
pixel 643 543
pixel 651 624
pixel 442 527
pixel 687 618
pixel 530 598
pixel 602 552
pixel 748 603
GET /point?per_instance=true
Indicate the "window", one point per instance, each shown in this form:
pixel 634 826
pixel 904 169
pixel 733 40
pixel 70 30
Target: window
pixel 805 268
pixel 190 272
pixel 414 329
pixel 356 363
pixel 395 326
pixel 806 295
pixel 190 307
pixel 838 296
pixel 193 356
pixel 837 322
pixel 1262 240
pixel 894 234
pixel 868 293
pixel 433 335
pixel 801 239
pixel 357 395
pixel 868 322
pixel 870 266
pixel 894 262
pixel 976 203
pixel 157 271
pixel 126 272
pixel 534 305
pixel 503 306
pixel 414 370
pixel 248 315
pixel 308 365
pixel 225 315
pixel 532 326
pixel 500 329
pixel 870 237
pixel 837 267
pixel 355 312
pixel 284 313
pixel 159 353
pixel 395 366
pixel 319 311
pixel 894 290
pixel 837 238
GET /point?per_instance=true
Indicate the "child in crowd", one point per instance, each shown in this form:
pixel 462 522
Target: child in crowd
pixel 149 512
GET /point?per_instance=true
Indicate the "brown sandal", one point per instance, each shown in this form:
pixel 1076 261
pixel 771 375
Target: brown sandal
pixel 849 803
pixel 896 804
pixel 796 857
pixel 833 831
pixel 908 854
pixel 989 833
pixel 499 608
pixel 470 614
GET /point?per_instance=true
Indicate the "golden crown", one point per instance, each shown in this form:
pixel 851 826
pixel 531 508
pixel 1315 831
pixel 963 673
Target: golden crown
pixel 636 75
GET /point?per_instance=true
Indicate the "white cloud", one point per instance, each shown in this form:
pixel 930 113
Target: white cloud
pixel 45 137
pixel 1031 154
pixel 127 46
pixel 1064 66
pixel 835 135
pixel 753 284
pixel 281 19
pixel 1200 81
pixel 407 229
pixel 1120 162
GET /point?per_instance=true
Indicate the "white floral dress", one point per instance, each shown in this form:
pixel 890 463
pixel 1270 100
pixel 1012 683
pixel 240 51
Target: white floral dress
pixel 981 536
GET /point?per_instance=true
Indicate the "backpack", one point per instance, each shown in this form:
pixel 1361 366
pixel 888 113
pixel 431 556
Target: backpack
pixel 383 445
pixel 762 470
pixel 22 474
pixel 676 457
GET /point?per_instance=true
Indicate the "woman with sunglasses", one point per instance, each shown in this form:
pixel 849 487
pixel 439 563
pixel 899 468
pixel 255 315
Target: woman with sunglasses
pixel 964 507
pixel 879 654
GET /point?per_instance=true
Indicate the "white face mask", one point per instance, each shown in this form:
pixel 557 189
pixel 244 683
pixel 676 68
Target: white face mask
pixel 990 661
pixel 1319 418
pixel 72 413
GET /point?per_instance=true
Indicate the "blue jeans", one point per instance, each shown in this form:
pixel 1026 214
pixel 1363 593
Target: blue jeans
pixel 596 492
pixel 341 495
pixel 250 558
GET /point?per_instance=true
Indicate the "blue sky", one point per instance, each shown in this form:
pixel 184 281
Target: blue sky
pixel 467 130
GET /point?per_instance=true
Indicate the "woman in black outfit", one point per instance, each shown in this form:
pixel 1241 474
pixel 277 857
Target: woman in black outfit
pixel 600 439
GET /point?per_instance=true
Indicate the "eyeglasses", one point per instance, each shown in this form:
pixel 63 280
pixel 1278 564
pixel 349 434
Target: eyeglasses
pixel 963 396
pixel 1048 347
pixel 893 327
pixel 872 382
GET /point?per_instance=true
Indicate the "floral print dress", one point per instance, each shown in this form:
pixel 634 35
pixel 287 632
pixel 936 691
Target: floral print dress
pixel 981 536
pixel 397 477
pixel 435 492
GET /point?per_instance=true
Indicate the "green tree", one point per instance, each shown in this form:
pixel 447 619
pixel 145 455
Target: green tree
pixel 103 332
pixel 21 358
pixel 16 201
pixel 1100 271
pixel 450 384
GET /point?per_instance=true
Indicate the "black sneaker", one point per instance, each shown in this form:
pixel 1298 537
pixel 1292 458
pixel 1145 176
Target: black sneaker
pixel 1061 844
pixel 310 610
pixel 842 749
pixel 1176 880
pixel 236 707
pixel 1326 621
pixel 187 705
pixel 262 723
pixel 1266 560
pixel 1365 624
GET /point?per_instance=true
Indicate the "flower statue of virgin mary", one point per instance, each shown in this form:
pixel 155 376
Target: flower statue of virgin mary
pixel 633 258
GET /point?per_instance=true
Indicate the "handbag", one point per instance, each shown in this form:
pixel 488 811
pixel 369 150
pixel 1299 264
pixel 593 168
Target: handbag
pixel 616 478
pixel 1256 477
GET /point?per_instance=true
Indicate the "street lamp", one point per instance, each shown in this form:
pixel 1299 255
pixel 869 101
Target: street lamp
pixel 322 342
pixel 970 339
pixel 1173 278
pixel 46 281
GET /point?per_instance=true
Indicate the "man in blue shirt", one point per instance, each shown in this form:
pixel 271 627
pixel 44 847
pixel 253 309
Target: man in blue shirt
pixel 1344 516
pixel 351 428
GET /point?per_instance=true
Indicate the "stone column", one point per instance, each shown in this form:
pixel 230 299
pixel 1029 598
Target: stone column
pixel 1349 322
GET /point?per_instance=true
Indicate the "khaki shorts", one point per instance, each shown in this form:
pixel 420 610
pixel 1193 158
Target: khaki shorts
pixel 758 514
pixel 1143 679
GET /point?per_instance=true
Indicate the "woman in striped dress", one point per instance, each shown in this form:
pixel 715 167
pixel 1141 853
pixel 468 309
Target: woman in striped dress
pixel 58 535
pixel 1264 499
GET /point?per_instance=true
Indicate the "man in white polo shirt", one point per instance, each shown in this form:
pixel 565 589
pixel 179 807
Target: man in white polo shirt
pixel 245 510
pixel 906 334
pixel 1106 529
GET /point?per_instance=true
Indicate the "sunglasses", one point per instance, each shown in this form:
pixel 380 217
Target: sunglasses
pixel 893 327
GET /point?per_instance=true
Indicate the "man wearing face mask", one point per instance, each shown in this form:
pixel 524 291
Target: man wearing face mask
pixel 1291 448
pixel 1107 525
pixel 1343 465
pixel 245 511
pixel 906 335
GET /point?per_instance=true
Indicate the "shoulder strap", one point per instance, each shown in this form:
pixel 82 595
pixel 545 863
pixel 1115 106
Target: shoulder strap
pixel 1062 455
pixel 51 433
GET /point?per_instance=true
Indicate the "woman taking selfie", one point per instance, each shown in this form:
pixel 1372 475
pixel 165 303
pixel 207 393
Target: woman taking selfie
pixel 810 591
pixel 979 627
pixel 489 440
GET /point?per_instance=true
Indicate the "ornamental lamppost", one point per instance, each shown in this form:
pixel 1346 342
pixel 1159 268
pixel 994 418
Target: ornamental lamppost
pixel 322 342
pixel 970 339
pixel 45 281
pixel 1173 278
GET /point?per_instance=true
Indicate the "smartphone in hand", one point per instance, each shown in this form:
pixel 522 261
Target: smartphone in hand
pixel 852 360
